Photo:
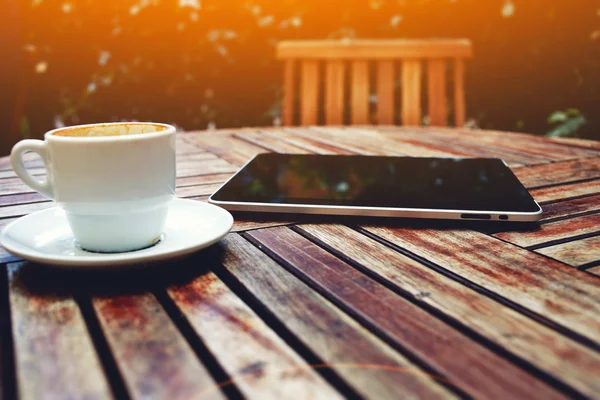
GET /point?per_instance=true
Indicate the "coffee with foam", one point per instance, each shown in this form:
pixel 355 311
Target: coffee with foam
pixel 100 130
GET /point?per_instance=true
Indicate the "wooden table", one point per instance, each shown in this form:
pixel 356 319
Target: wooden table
pixel 305 310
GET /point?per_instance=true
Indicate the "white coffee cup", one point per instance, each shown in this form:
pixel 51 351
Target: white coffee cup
pixel 114 181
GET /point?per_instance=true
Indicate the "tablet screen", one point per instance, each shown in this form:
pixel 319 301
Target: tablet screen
pixel 373 181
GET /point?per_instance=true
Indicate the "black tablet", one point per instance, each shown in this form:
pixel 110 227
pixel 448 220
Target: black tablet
pixel 410 187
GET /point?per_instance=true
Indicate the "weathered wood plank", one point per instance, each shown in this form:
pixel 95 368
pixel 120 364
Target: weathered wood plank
pixel 556 173
pixel 236 151
pixel 54 353
pixel 182 147
pixel 523 144
pixel 309 143
pixel 571 207
pixel 259 362
pixel 202 179
pixel 152 355
pixel 548 288
pixel 594 271
pixel 24 209
pixel 545 348
pixel 32 197
pixel 334 93
pixel 322 135
pixel 576 142
pixel 431 140
pixel 368 366
pixel 195 191
pixel 386 82
pixel 553 231
pixel 37 172
pixel 568 191
pixel 271 143
pixel 31 160
pixel 367 144
pixel 469 146
pixel 14 185
pixel 407 147
pixel 575 253
pixel 477 371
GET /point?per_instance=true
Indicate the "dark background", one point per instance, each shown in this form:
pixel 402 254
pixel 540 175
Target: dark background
pixel 201 63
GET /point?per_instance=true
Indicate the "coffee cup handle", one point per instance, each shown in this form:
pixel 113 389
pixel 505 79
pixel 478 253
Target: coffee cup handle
pixel 16 160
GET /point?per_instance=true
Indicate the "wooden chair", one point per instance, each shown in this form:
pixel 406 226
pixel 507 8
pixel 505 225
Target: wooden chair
pixel 359 56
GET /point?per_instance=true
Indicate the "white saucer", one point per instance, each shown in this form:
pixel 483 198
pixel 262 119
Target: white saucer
pixel 45 237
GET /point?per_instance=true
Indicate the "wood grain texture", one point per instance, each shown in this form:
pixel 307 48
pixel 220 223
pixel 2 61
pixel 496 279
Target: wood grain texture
pixel 374 49
pixel 468 146
pixel 334 93
pixel 235 151
pixel 54 353
pixel 436 93
pixel 386 82
pixel 23 198
pixel 201 180
pixel 522 144
pixel 411 92
pixel 571 207
pixel 594 271
pixel 30 160
pixel 367 365
pixel 557 173
pixel 359 92
pixel 310 143
pixel 576 142
pixel 328 137
pixel 258 361
pixel 478 371
pixel 459 93
pixel 37 172
pixel 575 253
pixel 545 348
pixel 19 210
pixel 199 190
pixel 554 193
pixel 553 231
pixel 548 288
pixel 272 143
pixel 152 355
pixel 309 99
pixel 288 92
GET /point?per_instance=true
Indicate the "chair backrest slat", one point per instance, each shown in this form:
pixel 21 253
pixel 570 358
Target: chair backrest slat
pixel 374 49
pixel 459 92
pixel 411 92
pixel 334 93
pixel 289 93
pixel 360 93
pixel 436 92
pixel 310 92
pixel 385 92
pixel 413 55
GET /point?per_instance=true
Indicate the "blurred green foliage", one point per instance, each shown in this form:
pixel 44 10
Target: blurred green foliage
pixel 207 63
